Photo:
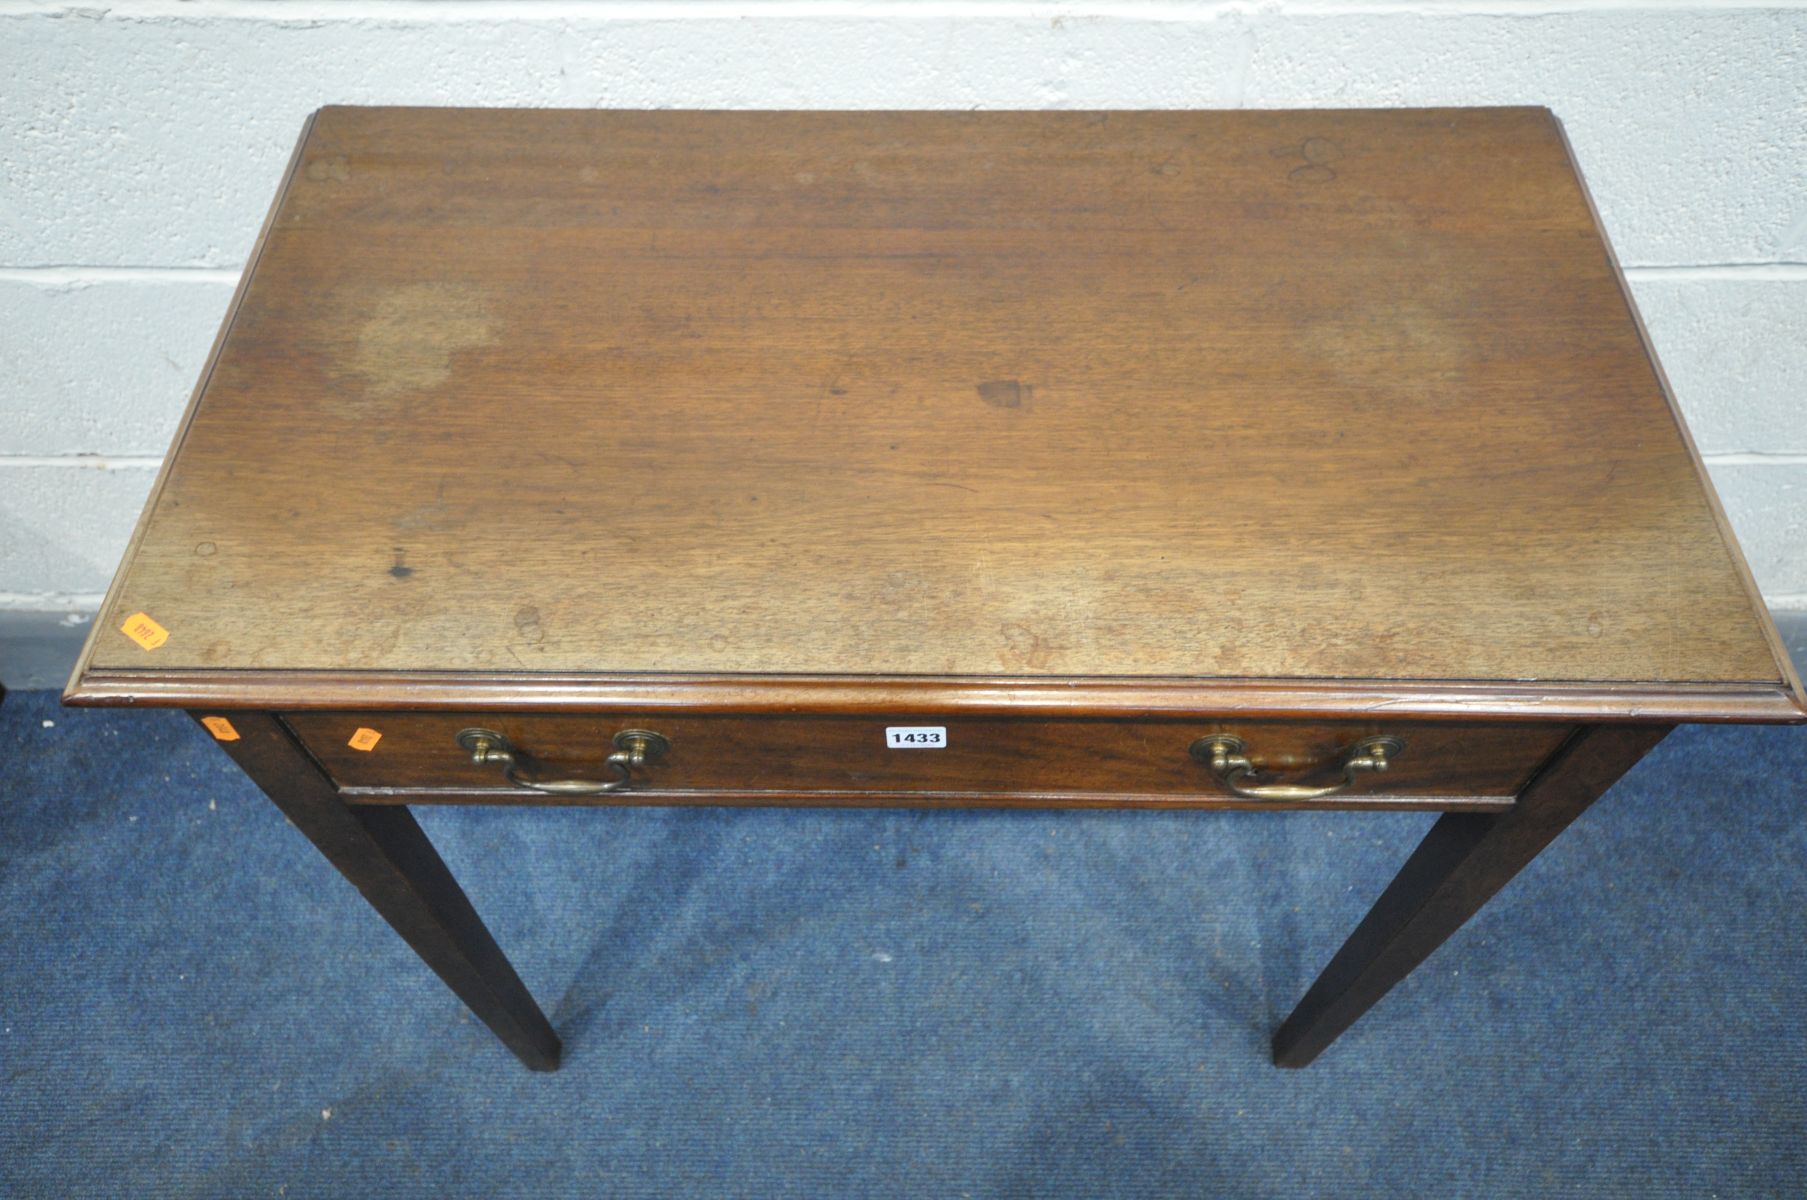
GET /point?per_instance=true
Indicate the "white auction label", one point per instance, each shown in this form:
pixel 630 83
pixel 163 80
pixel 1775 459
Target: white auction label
pixel 916 737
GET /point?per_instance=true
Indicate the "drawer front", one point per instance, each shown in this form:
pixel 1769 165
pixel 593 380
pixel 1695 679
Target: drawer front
pixel 900 760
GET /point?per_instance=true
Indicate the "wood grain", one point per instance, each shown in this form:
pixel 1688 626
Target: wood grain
pixel 1326 395
pixel 793 756
pixel 519 691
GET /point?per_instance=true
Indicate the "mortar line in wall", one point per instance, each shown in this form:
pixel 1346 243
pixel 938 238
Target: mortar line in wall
pixel 42 601
pixel 438 12
pixel 77 276
pixel 1755 458
pixel 92 462
pixel 1781 272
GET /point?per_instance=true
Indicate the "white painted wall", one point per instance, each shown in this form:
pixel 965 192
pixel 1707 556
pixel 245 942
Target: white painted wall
pixel 140 143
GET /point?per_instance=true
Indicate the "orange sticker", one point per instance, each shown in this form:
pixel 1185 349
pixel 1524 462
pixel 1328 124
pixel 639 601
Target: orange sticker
pixel 365 739
pixel 220 728
pixel 146 632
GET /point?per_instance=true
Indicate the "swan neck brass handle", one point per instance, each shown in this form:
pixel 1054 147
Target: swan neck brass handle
pixel 634 748
pixel 1226 755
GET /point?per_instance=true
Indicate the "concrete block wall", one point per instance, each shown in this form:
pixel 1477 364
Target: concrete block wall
pixel 140 143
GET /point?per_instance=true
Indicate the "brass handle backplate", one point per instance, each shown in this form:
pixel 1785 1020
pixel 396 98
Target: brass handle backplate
pixel 633 748
pixel 1226 755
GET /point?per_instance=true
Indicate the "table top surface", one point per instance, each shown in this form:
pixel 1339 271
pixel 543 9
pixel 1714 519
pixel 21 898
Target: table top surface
pixel 1347 397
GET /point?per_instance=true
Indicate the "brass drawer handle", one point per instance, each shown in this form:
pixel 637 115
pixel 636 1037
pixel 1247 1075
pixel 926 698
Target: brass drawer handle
pixel 1224 754
pixel 633 748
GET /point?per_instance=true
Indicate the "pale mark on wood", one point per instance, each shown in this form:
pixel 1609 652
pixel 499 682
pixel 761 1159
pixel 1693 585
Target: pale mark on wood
pixel 1316 154
pixel 1025 648
pixel 407 342
pixel 334 169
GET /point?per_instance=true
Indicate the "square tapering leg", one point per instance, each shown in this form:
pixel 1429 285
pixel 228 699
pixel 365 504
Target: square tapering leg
pixel 1461 863
pixel 385 854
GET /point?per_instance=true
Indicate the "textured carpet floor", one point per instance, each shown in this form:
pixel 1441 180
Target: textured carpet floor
pixel 829 1004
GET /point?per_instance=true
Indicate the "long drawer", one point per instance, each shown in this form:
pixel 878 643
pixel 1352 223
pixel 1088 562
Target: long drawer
pixel 404 757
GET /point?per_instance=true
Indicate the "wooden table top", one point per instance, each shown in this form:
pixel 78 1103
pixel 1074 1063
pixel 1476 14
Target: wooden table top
pixel 1343 401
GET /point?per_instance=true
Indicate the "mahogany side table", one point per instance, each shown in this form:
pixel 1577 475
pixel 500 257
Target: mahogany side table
pixel 1119 459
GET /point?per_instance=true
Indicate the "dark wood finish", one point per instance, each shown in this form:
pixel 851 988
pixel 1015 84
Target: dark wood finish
pixel 795 756
pixel 521 691
pixel 1461 863
pixel 821 393
pixel 1354 800
pixel 1083 434
pixel 384 854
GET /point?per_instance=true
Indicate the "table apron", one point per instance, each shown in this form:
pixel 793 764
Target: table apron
pixel 856 761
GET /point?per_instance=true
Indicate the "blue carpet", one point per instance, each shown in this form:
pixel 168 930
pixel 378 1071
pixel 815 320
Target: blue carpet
pixel 830 1004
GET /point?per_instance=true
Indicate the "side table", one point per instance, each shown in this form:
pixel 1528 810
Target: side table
pixel 1117 459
